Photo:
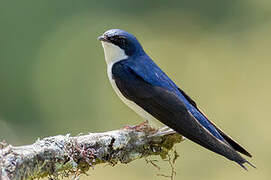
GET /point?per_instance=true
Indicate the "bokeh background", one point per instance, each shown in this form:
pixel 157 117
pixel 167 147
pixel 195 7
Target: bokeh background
pixel 53 74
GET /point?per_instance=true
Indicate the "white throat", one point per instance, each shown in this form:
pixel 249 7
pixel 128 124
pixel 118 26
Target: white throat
pixel 113 53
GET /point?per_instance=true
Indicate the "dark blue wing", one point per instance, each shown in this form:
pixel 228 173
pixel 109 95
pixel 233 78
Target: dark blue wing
pixel 229 140
pixel 166 106
pixel 151 73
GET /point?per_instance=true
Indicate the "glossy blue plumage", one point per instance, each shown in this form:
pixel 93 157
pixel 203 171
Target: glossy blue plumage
pixel 138 79
pixel 151 73
pixel 142 64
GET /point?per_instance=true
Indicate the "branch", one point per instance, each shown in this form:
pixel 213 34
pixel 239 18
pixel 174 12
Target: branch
pixel 64 155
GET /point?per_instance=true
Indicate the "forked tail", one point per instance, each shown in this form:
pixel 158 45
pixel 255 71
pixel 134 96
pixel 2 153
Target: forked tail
pixel 243 166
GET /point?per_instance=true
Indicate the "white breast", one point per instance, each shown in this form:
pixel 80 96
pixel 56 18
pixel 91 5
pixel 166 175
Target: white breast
pixel 114 54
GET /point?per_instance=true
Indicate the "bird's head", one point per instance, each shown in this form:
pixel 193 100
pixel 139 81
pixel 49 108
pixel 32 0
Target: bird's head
pixel 119 44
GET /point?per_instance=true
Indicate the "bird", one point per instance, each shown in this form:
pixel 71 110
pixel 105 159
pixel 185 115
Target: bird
pixel 146 89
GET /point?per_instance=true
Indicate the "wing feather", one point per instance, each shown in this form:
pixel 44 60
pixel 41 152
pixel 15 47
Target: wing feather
pixel 166 106
pixel 233 143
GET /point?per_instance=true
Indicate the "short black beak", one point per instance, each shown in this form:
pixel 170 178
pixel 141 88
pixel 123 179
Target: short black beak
pixel 103 38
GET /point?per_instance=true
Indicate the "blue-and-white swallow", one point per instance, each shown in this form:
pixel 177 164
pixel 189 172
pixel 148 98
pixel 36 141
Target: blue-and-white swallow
pixel 146 89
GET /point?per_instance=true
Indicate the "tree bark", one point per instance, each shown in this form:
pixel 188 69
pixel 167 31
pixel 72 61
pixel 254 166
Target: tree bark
pixel 59 156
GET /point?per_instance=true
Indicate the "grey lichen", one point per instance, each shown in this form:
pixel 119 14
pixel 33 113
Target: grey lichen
pixel 60 156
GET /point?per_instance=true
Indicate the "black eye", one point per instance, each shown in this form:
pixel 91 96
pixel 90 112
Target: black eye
pixel 122 41
pixel 112 39
pixel 119 40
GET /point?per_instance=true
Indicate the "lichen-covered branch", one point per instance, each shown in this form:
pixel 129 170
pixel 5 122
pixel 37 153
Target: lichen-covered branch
pixel 65 155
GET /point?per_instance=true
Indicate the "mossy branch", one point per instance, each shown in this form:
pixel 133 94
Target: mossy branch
pixel 65 155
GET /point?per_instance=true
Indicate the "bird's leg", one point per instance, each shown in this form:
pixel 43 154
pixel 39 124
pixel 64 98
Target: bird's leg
pixel 144 126
pixel 137 127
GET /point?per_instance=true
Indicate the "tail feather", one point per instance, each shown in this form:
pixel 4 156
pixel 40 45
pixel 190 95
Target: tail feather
pixel 244 167
pixel 251 164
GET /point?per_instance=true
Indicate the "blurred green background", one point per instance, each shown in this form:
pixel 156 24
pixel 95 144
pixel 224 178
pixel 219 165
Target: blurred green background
pixel 53 74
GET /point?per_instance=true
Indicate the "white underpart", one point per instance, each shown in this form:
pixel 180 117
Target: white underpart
pixel 114 54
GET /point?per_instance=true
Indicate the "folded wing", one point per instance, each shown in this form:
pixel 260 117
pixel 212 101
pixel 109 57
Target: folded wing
pixel 167 107
pixel 229 140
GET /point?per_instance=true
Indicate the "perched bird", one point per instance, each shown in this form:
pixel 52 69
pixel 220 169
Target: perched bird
pixel 146 89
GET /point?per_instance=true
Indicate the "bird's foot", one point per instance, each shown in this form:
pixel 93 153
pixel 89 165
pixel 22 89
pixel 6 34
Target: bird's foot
pixel 142 127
